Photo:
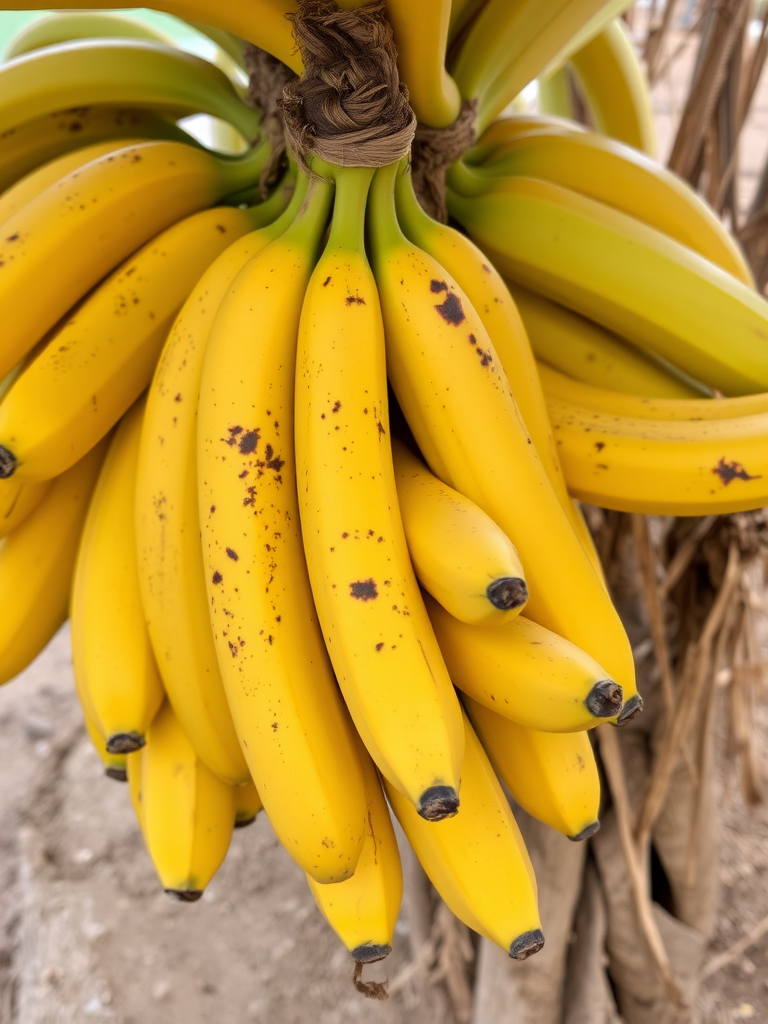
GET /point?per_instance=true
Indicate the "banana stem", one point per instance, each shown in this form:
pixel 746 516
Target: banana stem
pixel 385 229
pixel 242 172
pixel 352 187
pixel 411 214
pixel 467 180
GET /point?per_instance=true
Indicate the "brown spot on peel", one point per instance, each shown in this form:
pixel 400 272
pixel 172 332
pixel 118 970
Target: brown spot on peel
pixel 729 471
pixel 451 310
pixel 364 590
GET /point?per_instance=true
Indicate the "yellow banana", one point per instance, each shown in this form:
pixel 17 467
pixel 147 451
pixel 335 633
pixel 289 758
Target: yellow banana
pixel 616 89
pixel 287 711
pixel 678 468
pixel 462 13
pixel 527 673
pixel 117 202
pixel 557 385
pixel 247 804
pixel 460 555
pixel 616 175
pixel 113 660
pixel 609 11
pixel 363 909
pixel 379 639
pixel 115 765
pixel 133 771
pixel 552 776
pixel 102 358
pixel 31 185
pixel 477 861
pixel 42 139
pixel 582 349
pixel 18 499
pixel 492 144
pixel 36 565
pixel 188 812
pixel 61 28
pixel 556 94
pixel 627 276
pixel 446 375
pixel 171 572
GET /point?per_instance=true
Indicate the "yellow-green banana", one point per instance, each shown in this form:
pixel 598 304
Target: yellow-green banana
pixel 363 909
pixel 113 660
pixel 62 28
pixel 552 776
pixel 477 861
pixel 421 35
pixel 287 711
pixel 36 565
pixel 378 634
pixel 117 203
pixel 188 812
pixel 492 144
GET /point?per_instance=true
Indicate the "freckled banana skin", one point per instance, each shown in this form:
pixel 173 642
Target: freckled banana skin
pixel 103 356
pixel 293 728
pixel 379 638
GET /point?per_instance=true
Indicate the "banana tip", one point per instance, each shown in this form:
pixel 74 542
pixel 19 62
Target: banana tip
pixel 527 944
pixel 185 895
pixel 438 802
pixel 7 463
pixel 631 709
pixel 118 774
pixel 124 743
pixel 604 699
pixel 507 593
pixel 370 952
pixel 586 833
pixel 245 822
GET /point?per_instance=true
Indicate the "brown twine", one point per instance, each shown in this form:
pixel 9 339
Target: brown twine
pixel 267 77
pixel 433 152
pixel 348 107
pixel 370 989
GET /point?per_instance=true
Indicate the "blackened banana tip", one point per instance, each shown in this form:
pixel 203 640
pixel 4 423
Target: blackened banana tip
pixel 507 592
pixel 605 699
pixel 527 944
pixel 185 895
pixel 631 710
pixel 370 952
pixel 124 743
pixel 438 802
pixel 7 463
pixel 586 833
pixel 118 774
pixel 244 822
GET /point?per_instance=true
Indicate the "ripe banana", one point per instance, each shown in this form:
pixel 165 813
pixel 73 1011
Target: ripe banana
pixel 61 28
pixel 287 711
pixel 18 499
pixel 616 175
pixel 121 72
pixel 118 203
pixel 378 634
pixel 626 276
pixel 585 351
pixel 363 909
pixel 171 572
pixel 114 665
pixel 477 861
pixel 42 139
pixel 527 673
pixel 552 776
pixel 459 554
pixel 492 144
pixel 679 468
pixel 133 771
pixel 115 765
pixel 188 812
pixel 616 89
pixel 447 378
pixel 247 804
pixel 36 565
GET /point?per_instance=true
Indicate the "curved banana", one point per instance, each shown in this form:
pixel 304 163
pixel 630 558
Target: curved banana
pixel 679 468
pixel 552 776
pixel 133 771
pixel 102 358
pixel 616 89
pixel 188 813
pixel 623 178
pixel 626 276
pixel 492 144
pixel 18 499
pixel 171 572
pixel 363 909
pixel 462 13
pixel 42 139
pixel 459 554
pixel 36 565
pixel 527 673
pixel 295 734
pixel 582 349
pixel 115 765
pixel 378 634
pixel 477 861
pixel 61 28
pixel 247 804
pixel 446 375
pixel 114 665
pixel 118 203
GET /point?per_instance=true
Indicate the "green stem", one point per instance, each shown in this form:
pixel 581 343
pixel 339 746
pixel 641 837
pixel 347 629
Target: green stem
pixel 466 180
pixel 309 215
pixel 383 225
pixel 348 224
pixel 413 218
